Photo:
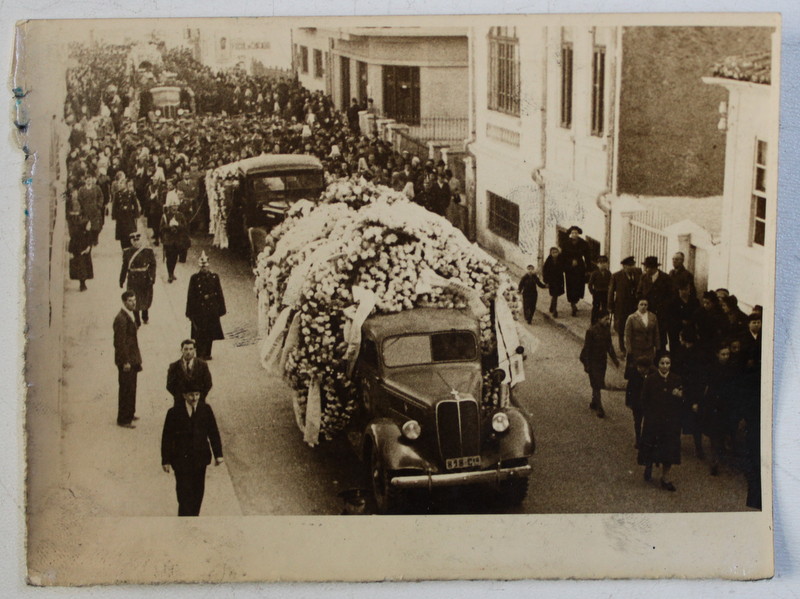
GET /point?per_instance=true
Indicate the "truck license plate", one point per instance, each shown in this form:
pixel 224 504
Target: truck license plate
pixel 465 462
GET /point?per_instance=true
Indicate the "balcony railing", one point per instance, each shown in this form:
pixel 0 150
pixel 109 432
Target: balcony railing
pixel 435 128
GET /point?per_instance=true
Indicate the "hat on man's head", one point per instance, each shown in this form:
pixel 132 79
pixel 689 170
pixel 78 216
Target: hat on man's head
pixel 575 228
pixel 629 261
pixel 203 260
pixel 651 262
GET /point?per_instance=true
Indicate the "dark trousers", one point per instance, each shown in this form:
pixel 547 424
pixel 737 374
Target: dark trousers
pixel 171 253
pixel 529 306
pixel 190 487
pixel 127 396
pixel 638 415
pixel 599 302
pixel 554 305
pixel 144 314
pixel 204 343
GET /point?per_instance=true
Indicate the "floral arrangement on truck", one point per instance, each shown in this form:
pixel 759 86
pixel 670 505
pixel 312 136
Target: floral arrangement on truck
pixel 365 250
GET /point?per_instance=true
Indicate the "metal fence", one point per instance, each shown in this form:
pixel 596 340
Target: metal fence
pixel 647 235
pixel 435 128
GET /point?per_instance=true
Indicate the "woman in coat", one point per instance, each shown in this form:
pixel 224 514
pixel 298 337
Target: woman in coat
pixel 641 336
pixel 553 275
pixel 80 249
pixel 662 405
pixel 575 260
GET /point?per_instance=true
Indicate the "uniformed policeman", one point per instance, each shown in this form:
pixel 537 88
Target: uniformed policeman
pixel 205 304
pixel 139 268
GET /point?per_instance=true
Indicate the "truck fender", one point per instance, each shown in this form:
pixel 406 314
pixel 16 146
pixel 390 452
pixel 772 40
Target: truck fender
pixel 518 441
pixel 384 436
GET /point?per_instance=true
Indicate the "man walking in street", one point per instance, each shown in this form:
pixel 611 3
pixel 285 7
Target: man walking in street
pixel 205 304
pixel 622 296
pixel 139 268
pixel 599 282
pixel 188 371
pixel 189 438
pixel 680 276
pixel 127 358
pixel 593 357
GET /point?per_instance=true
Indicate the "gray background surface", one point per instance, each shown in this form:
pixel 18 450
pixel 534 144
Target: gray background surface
pixel 787 378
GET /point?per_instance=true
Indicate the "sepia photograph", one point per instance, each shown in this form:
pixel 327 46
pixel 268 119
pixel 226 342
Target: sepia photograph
pixel 490 286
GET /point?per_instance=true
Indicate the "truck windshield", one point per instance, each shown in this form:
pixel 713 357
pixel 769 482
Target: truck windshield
pixel 283 185
pixel 447 346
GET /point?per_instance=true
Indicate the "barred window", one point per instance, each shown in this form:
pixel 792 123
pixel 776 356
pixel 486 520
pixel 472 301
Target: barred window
pixel 304 59
pixel 758 210
pixel 566 85
pixel 598 89
pixel 504 70
pixel 319 70
pixel 503 217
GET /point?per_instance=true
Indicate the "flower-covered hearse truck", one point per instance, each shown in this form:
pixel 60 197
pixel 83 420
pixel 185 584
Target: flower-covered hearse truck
pixel 249 197
pixel 421 418
pixel 394 330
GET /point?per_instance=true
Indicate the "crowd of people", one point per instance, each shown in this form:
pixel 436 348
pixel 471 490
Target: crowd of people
pixel 151 171
pixel 692 364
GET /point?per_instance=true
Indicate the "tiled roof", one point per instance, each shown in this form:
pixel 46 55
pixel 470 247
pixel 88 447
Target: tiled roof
pixel 755 68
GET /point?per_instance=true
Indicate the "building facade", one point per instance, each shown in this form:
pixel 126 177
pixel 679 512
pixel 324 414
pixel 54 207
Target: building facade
pixel 416 76
pixel 748 120
pixel 589 126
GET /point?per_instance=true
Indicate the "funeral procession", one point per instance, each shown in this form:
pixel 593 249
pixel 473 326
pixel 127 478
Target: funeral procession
pixel 413 270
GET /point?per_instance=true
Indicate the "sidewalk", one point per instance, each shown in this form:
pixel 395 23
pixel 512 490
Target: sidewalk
pixel 109 470
pixel 574 326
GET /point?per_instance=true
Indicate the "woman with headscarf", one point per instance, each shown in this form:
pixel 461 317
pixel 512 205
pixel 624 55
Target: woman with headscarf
pixel 662 405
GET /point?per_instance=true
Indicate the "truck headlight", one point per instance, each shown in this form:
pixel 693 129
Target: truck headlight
pixel 411 430
pixel 500 422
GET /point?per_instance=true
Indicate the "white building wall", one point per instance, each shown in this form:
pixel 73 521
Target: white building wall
pixel 742 266
pixel 508 148
pixel 556 175
pixel 312 40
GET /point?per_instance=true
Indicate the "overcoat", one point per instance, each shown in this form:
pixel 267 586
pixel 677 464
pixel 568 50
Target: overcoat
pixel 205 304
pixel 622 298
pixel 139 268
pixel 661 424
pixel 553 275
pixel 125 211
pixel 91 202
pixel 575 260
pixel 641 340
pixel 597 347
pixel 80 264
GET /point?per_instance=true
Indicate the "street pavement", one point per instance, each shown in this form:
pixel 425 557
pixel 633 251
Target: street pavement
pixel 582 464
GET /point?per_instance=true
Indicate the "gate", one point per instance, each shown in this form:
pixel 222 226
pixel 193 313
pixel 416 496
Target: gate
pixel 647 237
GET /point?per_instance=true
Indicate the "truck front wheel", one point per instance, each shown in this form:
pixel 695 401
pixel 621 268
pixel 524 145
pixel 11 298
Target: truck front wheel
pixel 388 499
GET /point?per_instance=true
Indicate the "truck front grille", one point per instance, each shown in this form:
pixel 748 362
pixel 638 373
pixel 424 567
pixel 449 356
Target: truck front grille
pixel 458 427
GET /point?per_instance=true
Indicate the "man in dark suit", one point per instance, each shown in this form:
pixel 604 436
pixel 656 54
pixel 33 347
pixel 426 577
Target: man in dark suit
pixel 188 372
pixel 622 296
pixel 189 437
pixel 127 358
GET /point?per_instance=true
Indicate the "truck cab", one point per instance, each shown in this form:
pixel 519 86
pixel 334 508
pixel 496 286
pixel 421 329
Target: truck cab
pixel 424 423
pixel 270 184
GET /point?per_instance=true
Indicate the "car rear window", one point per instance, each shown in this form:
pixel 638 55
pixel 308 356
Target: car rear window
pixel 449 346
